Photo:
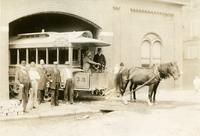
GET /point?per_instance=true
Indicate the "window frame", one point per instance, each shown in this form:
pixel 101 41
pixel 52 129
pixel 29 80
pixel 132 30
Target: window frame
pixel 66 48
pixel 151 38
pixel 74 63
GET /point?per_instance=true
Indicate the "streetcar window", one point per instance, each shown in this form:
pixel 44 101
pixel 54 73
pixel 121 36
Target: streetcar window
pixel 31 55
pixel 22 54
pixel 52 55
pixel 75 54
pixel 42 54
pixel 63 55
pixel 13 56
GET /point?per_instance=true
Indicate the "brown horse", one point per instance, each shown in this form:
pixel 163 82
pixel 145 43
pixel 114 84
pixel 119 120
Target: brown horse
pixel 151 77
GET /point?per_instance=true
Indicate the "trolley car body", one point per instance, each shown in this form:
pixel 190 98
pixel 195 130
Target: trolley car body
pixel 60 47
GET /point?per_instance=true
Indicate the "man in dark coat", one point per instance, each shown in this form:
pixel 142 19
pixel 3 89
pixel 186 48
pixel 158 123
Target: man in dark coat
pixel 22 80
pixel 100 58
pixel 54 79
pixel 42 82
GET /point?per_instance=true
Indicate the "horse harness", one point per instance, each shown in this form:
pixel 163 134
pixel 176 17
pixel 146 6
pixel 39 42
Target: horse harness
pixel 156 76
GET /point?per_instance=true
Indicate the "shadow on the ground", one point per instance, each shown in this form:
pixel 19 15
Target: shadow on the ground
pixel 89 99
pixel 164 104
pixel 167 104
pixel 141 106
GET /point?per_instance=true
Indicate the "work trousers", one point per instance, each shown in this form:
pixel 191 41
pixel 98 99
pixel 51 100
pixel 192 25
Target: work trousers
pixel 54 95
pixel 24 88
pixel 41 94
pixel 33 103
pixel 20 90
pixel 69 91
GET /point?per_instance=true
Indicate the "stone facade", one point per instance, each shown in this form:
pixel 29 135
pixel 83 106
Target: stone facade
pixel 124 23
pixel 191 54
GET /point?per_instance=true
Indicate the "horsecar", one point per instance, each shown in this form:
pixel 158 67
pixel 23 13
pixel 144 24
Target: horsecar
pixel 60 47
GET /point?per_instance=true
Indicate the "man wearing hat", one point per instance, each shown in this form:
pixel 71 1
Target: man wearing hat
pixel 67 79
pixel 100 58
pixel 54 79
pixel 22 80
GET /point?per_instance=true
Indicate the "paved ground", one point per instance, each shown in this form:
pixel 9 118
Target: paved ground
pixel 176 114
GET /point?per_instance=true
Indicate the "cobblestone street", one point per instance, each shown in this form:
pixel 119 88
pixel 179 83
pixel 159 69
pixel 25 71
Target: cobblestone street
pixel 176 114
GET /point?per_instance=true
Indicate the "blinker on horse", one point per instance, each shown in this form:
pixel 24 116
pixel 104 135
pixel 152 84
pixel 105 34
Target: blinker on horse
pixel 139 76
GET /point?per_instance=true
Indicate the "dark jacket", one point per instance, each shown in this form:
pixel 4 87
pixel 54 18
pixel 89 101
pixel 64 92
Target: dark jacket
pixel 22 77
pixel 42 82
pixel 54 78
pixel 100 59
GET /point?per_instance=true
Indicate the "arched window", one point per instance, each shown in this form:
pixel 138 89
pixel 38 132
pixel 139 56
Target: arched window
pixel 150 50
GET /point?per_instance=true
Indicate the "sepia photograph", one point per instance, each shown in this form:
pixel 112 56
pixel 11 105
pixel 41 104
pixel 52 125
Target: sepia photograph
pixel 99 67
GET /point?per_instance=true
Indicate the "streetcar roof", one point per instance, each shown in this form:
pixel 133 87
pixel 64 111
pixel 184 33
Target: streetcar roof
pixel 55 39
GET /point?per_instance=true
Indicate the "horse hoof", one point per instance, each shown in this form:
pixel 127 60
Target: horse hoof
pixel 155 103
pixel 125 102
pixel 149 103
pixel 133 101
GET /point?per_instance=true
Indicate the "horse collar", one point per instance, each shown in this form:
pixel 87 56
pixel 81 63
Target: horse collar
pixel 156 73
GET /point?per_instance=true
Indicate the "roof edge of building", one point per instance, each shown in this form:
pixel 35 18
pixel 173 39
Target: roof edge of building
pixel 175 2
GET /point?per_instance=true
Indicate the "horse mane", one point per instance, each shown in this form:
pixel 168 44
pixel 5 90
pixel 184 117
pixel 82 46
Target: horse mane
pixel 163 69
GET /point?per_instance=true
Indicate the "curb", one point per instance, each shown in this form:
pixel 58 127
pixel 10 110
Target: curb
pixel 38 116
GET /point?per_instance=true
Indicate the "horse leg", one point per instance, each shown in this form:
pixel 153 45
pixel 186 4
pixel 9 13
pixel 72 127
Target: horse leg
pixel 149 101
pixel 131 95
pixel 123 99
pixel 134 93
pixel 154 91
pixel 123 89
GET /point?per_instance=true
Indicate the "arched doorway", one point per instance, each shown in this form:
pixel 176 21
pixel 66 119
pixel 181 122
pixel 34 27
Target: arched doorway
pixel 52 21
